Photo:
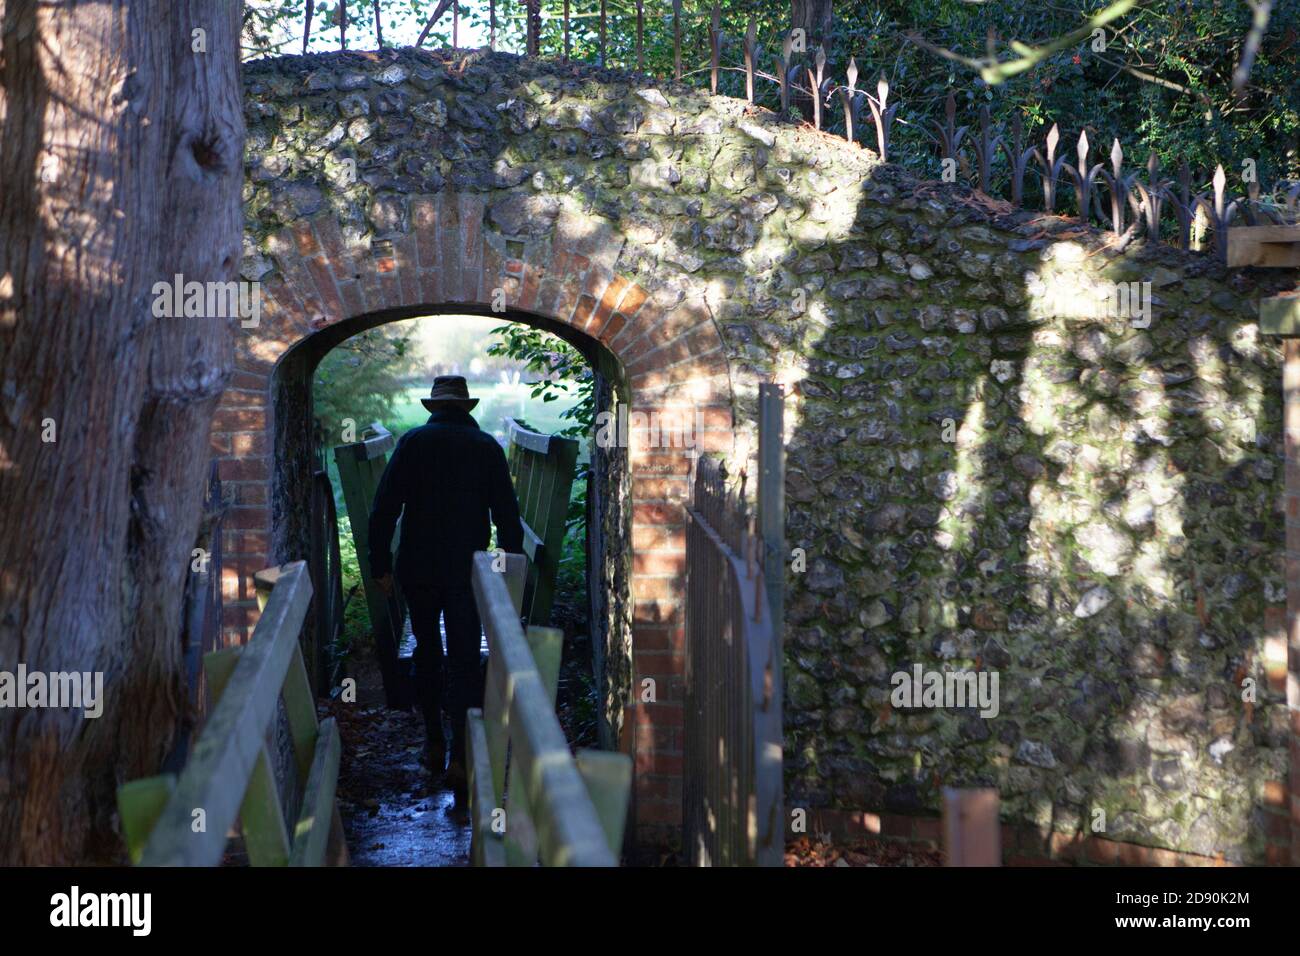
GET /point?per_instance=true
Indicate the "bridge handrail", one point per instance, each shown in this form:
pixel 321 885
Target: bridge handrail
pixel 561 810
pixel 230 774
pixel 371 446
pixel 542 470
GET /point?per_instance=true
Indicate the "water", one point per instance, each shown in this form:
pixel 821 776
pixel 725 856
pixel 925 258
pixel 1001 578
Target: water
pixel 411 831
pixel 393 815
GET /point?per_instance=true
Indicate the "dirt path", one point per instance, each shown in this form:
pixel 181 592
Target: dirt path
pixel 812 852
pixel 391 814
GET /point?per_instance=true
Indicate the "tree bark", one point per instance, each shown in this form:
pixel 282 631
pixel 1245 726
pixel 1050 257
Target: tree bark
pixel 442 7
pixel 815 19
pixel 122 151
pixel 534 23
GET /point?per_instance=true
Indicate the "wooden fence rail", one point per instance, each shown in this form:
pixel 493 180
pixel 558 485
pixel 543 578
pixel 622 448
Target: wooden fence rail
pixel 542 470
pixel 361 465
pixel 184 821
pixel 530 799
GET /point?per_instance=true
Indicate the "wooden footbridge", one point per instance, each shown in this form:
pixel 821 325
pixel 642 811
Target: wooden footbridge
pixel 531 799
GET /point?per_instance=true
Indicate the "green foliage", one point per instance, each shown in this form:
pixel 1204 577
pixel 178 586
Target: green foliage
pixel 275 27
pixel 1163 83
pixel 361 380
pixel 572 573
pixel 563 372
pixel 497 401
pixel 266 27
pixel 356 616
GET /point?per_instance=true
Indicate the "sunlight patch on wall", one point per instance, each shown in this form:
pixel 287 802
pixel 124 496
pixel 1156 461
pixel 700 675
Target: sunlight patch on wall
pixel 962 483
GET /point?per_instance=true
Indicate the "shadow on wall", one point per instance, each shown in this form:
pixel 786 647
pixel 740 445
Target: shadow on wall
pixel 989 472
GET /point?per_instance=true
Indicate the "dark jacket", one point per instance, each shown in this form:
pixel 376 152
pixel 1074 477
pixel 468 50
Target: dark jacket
pixel 443 479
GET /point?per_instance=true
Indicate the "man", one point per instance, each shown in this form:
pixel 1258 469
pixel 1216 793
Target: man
pixel 443 479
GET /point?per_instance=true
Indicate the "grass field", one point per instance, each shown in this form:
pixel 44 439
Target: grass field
pixel 497 402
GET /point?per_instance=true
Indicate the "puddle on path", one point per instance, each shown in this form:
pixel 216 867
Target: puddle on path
pixel 391 813
pixel 410 831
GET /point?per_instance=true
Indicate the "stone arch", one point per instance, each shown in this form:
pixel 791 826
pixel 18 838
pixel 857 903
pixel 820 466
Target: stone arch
pixel 666 355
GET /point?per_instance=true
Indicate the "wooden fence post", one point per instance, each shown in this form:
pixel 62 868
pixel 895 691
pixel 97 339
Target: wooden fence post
pixel 677 40
pixel 972 835
pixel 602 34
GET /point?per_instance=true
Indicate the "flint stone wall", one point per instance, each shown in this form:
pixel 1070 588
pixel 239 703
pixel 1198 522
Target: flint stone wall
pixel 974 479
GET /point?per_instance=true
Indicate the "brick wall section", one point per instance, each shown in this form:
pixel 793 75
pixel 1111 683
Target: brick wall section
pixel 674 361
pixel 1021 845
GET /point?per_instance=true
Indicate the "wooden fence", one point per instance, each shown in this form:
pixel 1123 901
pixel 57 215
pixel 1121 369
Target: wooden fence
pixel 733 739
pixel 184 821
pixel 361 465
pixel 530 799
pixel 972 831
pixel 326 564
pixel 1119 199
pixel 542 469
pixel 201 618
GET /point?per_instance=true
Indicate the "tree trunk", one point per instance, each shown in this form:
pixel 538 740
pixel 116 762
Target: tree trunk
pixel 814 18
pixel 121 141
pixel 533 45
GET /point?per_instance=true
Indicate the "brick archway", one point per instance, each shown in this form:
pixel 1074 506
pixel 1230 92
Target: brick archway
pixel 451 259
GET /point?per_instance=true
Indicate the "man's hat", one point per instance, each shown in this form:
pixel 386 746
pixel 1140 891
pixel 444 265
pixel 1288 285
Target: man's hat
pixel 449 390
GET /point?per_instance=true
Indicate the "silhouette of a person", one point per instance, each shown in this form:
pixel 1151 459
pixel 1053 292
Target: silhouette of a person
pixel 445 479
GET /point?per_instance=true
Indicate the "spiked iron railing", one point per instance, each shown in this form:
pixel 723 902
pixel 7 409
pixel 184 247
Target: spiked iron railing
pixel 1117 199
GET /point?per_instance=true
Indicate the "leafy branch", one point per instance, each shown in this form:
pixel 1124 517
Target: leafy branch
pixel 994 71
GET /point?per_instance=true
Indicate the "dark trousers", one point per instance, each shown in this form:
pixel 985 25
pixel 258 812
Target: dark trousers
pixel 458 685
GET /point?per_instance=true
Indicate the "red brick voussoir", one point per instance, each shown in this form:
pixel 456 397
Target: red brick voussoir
pixel 446 255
